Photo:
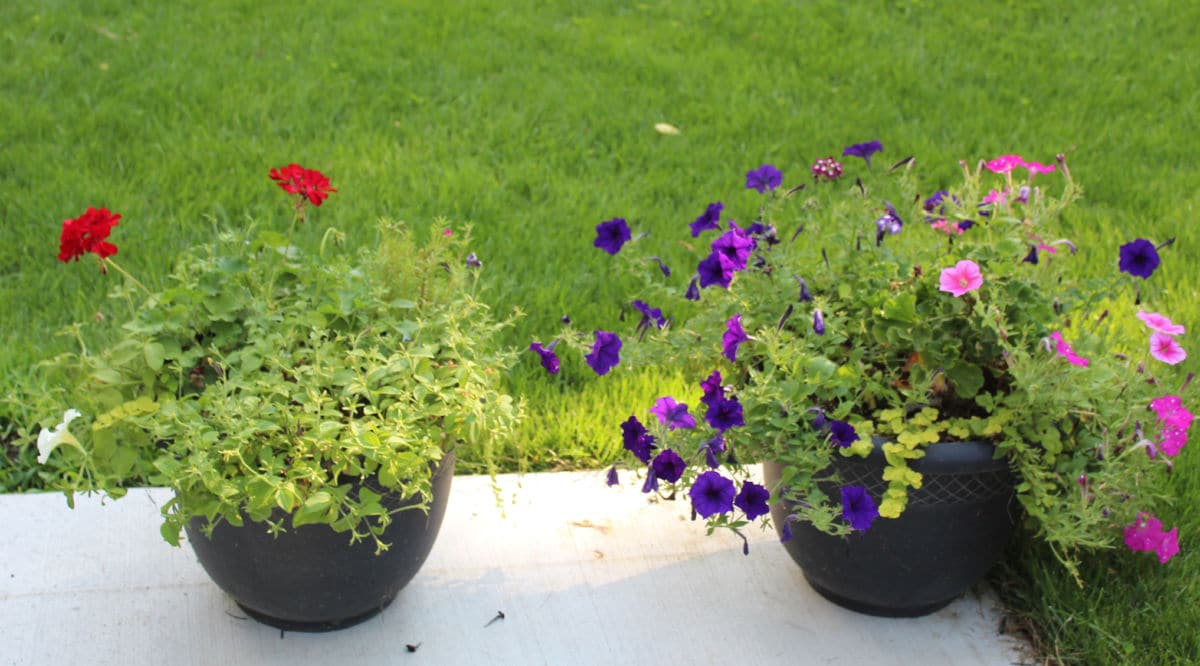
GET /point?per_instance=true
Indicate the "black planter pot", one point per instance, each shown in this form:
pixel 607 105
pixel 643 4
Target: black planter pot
pixel 310 578
pixel 954 529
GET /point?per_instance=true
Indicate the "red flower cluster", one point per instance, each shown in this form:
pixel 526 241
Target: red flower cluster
pixel 308 183
pixel 87 233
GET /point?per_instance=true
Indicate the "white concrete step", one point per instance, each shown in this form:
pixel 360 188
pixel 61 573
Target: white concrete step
pixel 585 574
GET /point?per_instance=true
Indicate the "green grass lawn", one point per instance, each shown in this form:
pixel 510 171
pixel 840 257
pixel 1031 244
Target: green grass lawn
pixel 534 122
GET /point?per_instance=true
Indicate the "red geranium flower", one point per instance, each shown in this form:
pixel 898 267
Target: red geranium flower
pixel 308 183
pixel 87 233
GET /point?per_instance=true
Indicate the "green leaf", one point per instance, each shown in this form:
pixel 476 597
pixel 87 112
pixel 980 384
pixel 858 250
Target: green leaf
pixel 966 378
pixel 154 355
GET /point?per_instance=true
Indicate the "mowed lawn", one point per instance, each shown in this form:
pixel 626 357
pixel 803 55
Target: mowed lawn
pixel 533 122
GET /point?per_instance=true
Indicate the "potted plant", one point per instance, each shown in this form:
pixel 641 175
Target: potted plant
pixel 304 405
pixel 919 370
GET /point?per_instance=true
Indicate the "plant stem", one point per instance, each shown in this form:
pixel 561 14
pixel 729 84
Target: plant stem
pixel 109 262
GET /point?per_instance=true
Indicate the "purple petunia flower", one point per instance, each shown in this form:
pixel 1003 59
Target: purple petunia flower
pixel 890 223
pixel 649 315
pixel 818 322
pixel 606 352
pixel 712 388
pixel 473 261
pixel 765 177
pixel 843 433
pixel 637 439
pixel 712 494
pixel 1032 257
pixel 715 269
pixel 736 246
pixel 805 296
pixel 549 358
pixel 724 413
pixel 611 235
pixel 673 414
pixel 711 219
pixel 651 481
pixel 858 508
pixel 733 337
pixel 611 478
pixel 863 150
pixel 711 448
pixel 662 266
pixel 1139 258
pixel 668 466
pixel 752 500
pixel 693 290
pixel 820 421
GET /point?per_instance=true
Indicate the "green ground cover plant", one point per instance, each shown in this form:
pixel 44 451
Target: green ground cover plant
pixel 535 121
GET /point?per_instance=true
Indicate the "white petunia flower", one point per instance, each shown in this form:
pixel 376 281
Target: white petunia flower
pixel 48 440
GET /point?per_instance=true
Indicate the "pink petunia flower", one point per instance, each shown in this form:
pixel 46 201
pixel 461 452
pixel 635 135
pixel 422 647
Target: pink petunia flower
pixel 1158 322
pixel 1146 534
pixel 996 197
pixel 1004 163
pixel 961 278
pixel 1176 420
pixel 1064 349
pixel 946 227
pixel 1164 348
pixel 1036 168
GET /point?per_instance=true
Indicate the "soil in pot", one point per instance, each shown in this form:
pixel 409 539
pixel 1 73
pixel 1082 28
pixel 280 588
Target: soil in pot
pixel 311 578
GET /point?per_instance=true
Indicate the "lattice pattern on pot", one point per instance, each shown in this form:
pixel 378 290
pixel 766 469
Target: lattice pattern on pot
pixel 935 488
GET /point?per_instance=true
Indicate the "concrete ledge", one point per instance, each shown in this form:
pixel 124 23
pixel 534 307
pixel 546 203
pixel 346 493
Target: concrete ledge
pixel 584 574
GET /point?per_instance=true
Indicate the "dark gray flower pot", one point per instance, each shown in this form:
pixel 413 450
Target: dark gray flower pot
pixel 310 578
pixel 954 529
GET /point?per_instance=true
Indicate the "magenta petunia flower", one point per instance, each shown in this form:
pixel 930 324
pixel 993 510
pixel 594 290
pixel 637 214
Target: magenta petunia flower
pixel 1004 163
pixel 1036 168
pixel 961 278
pixel 1064 349
pixel 734 336
pixel 1158 322
pixel 672 414
pixel 1166 349
pixel 1146 534
pixel 995 197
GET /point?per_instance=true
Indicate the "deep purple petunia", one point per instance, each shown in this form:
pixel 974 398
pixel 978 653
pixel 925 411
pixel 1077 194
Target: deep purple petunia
pixel 736 246
pixel 693 290
pixel 733 337
pixel 712 494
pixel 662 266
pixel 752 500
pixel 711 219
pixel 649 315
pixel 673 414
pixel 1139 258
pixel 712 388
pixel 858 508
pixel 818 322
pixel 611 478
pixel 765 177
pixel 549 358
pixel 724 413
pixel 637 439
pixel 611 235
pixel 711 448
pixel 651 481
pixel 843 433
pixel 668 466
pixel 606 352
pixel 863 150
pixel 805 296
pixel 1032 257
pixel 715 269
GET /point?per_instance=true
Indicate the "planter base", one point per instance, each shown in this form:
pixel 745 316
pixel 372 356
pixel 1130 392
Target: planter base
pixel 874 609
pixel 313 627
